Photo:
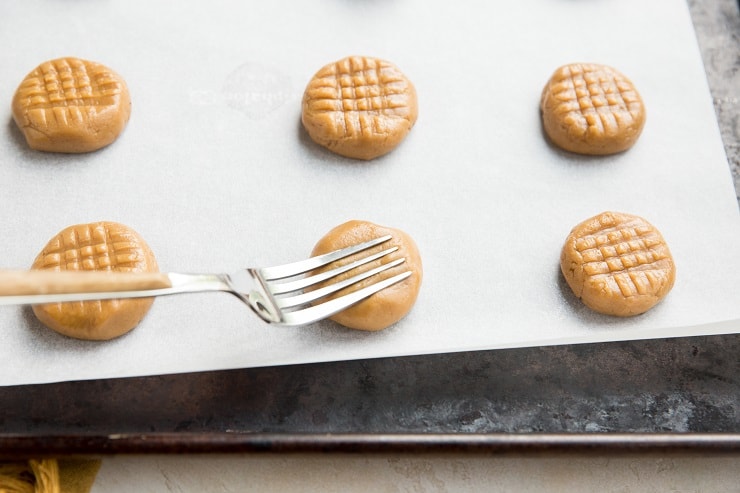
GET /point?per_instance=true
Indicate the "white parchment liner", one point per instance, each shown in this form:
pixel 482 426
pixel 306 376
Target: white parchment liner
pixel 216 173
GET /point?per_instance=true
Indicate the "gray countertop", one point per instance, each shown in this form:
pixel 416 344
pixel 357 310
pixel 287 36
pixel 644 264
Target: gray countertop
pixel 717 25
pixel 628 394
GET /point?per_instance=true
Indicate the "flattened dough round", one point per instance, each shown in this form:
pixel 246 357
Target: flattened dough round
pixel 71 105
pixel 359 107
pixel 103 246
pixel 591 109
pixel 385 307
pixel 617 264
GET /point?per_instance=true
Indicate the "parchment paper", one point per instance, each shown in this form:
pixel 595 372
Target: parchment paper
pixel 215 171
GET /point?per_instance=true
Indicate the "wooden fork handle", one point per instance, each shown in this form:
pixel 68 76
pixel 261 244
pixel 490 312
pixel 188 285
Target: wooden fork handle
pixel 17 283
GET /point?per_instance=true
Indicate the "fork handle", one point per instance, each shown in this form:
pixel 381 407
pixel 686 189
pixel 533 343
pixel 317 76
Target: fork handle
pixel 36 282
pixel 15 285
pixel 38 287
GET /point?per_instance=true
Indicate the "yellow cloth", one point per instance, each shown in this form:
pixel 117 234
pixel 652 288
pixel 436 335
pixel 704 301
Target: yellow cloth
pixel 48 476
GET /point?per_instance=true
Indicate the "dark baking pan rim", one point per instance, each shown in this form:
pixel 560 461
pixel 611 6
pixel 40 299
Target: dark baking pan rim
pixel 245 443
pixel 677 394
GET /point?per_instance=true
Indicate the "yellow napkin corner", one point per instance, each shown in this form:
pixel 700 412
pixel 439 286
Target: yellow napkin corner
pixel 48 475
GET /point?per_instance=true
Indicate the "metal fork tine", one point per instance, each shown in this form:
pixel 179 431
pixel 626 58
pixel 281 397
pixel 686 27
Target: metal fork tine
pixel 290 286
pixel 296 268
pixel 302 299
pixel 324 310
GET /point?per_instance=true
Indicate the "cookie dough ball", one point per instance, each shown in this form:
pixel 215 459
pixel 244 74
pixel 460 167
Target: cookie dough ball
pixel 71 105
pixel 359 107
pixel 591 109
pixel 103 246
pixel 617 264
pixel 389 305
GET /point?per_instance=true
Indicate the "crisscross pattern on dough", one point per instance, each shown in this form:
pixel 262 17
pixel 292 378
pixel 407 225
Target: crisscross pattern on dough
pixel 96 246
pixel 71 105
pixel 100 246
pixel 361 96
pixel 595 99
pixel 69 83
pixel 627 257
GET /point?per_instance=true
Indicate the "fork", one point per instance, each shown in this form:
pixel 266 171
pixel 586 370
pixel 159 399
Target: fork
pixel 277 294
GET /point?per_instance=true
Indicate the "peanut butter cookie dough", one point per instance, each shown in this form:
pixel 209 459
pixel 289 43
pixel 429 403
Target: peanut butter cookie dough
pixel 103 246
pixel 385 307
pixel 617 264
pixel 71 105
pixel 591 109
pixel 359 107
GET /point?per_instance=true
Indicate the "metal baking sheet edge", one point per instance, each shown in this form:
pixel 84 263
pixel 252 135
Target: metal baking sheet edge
pixel 199 443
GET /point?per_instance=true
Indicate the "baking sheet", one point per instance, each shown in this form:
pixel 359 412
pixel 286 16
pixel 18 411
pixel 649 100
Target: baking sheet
pixel 216 173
